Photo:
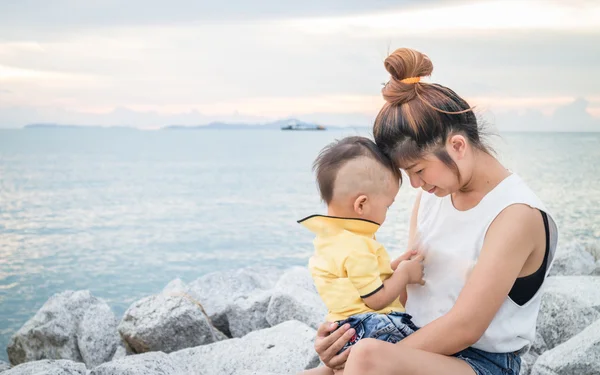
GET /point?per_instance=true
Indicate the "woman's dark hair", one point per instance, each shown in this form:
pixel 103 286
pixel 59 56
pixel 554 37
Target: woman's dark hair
pixel 418 117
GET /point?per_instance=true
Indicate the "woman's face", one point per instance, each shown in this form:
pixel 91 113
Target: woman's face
pixel 434 176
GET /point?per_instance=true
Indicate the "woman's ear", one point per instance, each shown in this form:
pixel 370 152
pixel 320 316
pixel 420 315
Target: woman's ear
pixel 457 146
pixel 359 204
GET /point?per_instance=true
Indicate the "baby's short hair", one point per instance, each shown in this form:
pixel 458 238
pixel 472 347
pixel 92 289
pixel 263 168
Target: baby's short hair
pixel 336 154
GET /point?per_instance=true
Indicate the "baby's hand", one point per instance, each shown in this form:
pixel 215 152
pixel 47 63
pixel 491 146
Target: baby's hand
pixel 413 268
pixel 406 256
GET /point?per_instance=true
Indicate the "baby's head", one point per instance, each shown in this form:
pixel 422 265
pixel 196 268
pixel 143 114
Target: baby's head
pixel 356 179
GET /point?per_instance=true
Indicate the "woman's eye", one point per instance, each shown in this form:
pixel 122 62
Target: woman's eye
pixel 419 171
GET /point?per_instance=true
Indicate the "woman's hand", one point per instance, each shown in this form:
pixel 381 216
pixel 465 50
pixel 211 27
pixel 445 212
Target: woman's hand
pixel 330 341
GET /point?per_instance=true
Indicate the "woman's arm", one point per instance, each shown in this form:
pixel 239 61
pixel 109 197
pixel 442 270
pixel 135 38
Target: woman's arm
pixel 510 240
pixel 412 234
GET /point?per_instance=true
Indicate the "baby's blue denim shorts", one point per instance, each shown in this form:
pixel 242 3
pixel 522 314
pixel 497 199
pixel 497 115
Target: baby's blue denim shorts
pixel 395 326
pixel 391 327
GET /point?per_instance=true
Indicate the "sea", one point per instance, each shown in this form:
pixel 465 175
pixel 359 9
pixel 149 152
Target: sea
pixel 121 212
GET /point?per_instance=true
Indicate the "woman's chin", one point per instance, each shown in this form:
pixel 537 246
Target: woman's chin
pixel 440 193
pixel 437 192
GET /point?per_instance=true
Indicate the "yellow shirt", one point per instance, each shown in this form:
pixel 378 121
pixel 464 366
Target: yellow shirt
pixel 348 264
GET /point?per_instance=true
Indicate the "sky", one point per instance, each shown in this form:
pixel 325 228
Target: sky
pixel 525 65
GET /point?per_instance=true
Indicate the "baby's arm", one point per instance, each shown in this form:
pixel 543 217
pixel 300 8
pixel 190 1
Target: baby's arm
pixel 391 289
pixel 408 272
pixel 362 268
pixel 403 296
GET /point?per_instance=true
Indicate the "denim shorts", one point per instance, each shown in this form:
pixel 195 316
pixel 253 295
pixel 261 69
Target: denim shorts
pixel 391 327
pixel 484 363
pixel 395 326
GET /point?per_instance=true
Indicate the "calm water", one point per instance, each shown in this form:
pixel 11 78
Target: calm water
pixel 123 212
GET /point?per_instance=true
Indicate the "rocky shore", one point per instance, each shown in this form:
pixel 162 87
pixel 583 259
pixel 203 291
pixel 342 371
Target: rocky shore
pixel 263 321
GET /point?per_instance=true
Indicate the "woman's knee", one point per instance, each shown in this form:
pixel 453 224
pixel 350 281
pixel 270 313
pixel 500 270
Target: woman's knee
pixel 365 355
pixel 374 357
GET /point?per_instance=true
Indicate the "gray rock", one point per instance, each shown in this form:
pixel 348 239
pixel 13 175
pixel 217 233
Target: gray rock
pixel 97 337
pixel 295 298
pixel 48 367
pixel 539 345
pixel 596 271
pixel 527 362
pixel 58 328
pixel 283 349
pixel 120 353
pixel 573 260
pixel 578 356
pixel 247 314
pixel 569 304
pixel 165 323
pixel 176 286
pixel 217 290
pixel 4 366
pixel 594 249
pixel 155 363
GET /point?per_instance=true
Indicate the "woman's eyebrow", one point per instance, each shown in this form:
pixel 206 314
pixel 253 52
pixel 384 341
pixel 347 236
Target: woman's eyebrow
pixel 411 167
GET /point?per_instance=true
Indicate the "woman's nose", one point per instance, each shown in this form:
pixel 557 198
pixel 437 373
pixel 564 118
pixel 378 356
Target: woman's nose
pixel 415 181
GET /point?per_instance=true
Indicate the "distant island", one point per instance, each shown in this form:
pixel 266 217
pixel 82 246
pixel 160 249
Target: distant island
pixel 286 124
pixel 63 126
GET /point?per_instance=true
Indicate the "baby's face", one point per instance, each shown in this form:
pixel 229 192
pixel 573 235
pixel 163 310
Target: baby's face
pixel 380 202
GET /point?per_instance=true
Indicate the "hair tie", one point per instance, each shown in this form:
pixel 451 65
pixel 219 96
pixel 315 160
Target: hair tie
pixel 411 80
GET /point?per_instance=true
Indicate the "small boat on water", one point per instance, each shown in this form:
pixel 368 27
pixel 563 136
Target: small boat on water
pixel 303 126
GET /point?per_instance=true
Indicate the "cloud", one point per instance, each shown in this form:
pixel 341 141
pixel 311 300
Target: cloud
pixel 572 117
pixel 463 17
pixel 15 48
pixel 65 14
pixel 220 63
pixel 155 61
pixel 9 74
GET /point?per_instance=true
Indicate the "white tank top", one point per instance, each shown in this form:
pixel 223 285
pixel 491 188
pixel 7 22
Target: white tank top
pixel 453 240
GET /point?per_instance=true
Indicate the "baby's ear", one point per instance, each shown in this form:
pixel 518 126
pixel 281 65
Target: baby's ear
pixel 359 204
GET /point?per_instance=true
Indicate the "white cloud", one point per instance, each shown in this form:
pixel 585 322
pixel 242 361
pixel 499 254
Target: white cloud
pixel 15 48
pixel 9 74
pixel 265 68
pixel 483 16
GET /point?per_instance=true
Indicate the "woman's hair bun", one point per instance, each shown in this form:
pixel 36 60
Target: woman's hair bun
pixel 401 64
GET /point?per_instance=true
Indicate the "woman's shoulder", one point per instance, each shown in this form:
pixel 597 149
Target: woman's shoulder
pixel 514 188
pixel 514 199
pixel 521 213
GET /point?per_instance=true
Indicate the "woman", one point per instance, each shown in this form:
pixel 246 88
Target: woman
pixel 487 239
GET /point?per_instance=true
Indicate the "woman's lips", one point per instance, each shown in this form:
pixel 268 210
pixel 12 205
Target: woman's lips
pixel 430 191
